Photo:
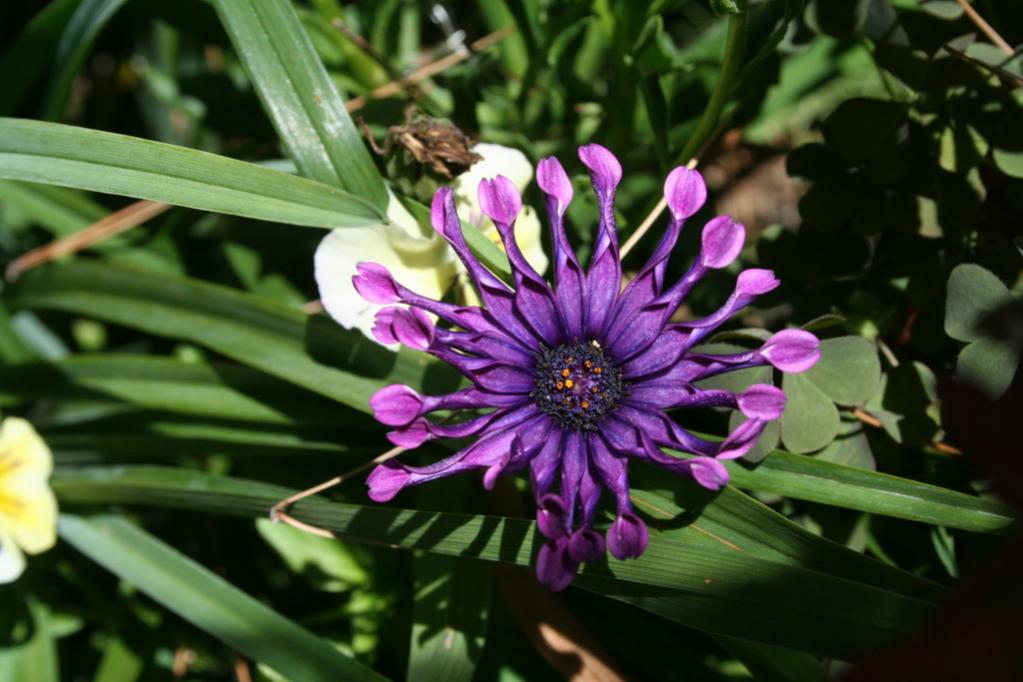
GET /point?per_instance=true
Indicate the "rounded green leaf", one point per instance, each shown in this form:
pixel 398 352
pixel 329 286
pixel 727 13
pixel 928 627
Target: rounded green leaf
pixel 849 371
pixel 988 364
pixel 973 292
pixel 810 420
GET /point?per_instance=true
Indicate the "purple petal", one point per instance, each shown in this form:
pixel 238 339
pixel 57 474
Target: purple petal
pixel 500 200
pixel 613 471
pixel 375 284
pixel 685 191
pixel 742 439
pixel 792 350
pixel 413 328
pixel 605 169
pixel 383 326
pixel 756 281
pixel 573 467
pixel 555 569
pixel 551 517
pixel 761 401
pixel 386 481
pixel 627 538
pixel 602 283
pixel 708 472
pixel 586 545
pixel 544 467
pixel 554 182
pixel 396 405
pixel 412 435
pixel 722 241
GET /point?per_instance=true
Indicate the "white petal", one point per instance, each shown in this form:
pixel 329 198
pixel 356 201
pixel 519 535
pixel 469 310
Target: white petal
pixel 421 262
pixel 496 160
pixel 12 561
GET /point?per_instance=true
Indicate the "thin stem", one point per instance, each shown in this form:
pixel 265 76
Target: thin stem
pixel 734 48
pixel 708 123
pixel 987 29
pixel 431 69
pixel 103 229
pixel 279 512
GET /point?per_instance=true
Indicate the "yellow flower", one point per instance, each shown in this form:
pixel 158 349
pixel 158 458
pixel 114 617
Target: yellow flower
pixel 417 257
pixel 28 509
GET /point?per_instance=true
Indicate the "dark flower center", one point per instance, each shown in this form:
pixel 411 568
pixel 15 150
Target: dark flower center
pixel 577 385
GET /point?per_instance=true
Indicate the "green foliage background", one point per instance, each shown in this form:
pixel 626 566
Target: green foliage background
pixel 184 390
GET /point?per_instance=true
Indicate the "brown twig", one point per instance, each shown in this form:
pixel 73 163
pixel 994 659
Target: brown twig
pixel 871 420
pixel 986 28
pixel 431 69
pixel 371 52
pixel 279 512
pixel 648 222
pixel 110 226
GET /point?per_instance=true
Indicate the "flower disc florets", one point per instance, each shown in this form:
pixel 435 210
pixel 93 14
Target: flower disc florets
pixel 572 379
pixel 577 385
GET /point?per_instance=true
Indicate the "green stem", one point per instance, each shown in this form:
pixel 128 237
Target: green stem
pixel 734 47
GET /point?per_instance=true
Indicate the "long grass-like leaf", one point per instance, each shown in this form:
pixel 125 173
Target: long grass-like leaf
pixel 208 601
pixel 56 154
pixel 717 590
pixel 300 97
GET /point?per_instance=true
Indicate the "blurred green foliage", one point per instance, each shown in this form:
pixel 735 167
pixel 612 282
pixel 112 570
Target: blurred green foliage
pixel 874 149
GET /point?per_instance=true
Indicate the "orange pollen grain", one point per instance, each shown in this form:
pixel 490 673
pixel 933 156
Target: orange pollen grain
pixel 569 383
pixel 597 370
pixel 585 405
pixel 565 372
pixel 560 385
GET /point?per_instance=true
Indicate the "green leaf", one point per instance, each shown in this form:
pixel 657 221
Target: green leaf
pixel 988 364
pixel 848 372
pixel 808 478
pixel 62 211
pixel 844 130
pixel 907 404
pixel 300 97
pixel 34 658
pixel 216 390
pixel 120 663
pixel 31 51
pixel 309 351
pixel 810 420
pixel 850 447
pixel 773 664
pixel 56 154
pixel 715 589
pixel 973 293
pixel 451 604
pixel 327 564
pixel 208 601
pixel 76 40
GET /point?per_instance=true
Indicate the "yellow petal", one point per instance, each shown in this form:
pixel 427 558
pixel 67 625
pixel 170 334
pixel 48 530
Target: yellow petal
pixel 421 262
pixel 12 561
pixel 28 509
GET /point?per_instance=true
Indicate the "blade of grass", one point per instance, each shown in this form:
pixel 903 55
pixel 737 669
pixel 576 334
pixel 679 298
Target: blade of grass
pixel 807 478
pixel 56 154
pixel 79 34
pixel 712 589
pixel 312 352
pixel 300 97
pixel 208 601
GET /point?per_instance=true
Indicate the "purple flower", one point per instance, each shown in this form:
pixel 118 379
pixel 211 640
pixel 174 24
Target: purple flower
pixel 573 379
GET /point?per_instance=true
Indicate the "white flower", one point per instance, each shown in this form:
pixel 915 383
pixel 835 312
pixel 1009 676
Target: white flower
pixel 28 509
pixel 419 258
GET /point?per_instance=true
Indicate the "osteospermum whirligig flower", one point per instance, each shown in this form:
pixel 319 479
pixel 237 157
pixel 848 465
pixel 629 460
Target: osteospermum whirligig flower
pixel 28 509
pixel 576 377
